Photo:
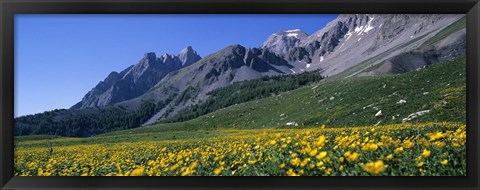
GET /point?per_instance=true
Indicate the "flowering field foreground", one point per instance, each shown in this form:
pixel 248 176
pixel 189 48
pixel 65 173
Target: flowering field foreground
pixel 426 149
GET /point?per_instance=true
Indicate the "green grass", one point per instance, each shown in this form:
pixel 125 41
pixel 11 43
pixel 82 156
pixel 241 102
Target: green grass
pixel 353 103
pixel 456 26
pixel 373 67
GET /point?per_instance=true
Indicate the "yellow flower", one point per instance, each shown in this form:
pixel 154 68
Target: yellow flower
pixel 150 162
pixel 273 142
pixel 290 172
pixel 321 141
pixel 426 153
pixel 398 150
pixel 193 164
pixel 435 136
pixel 329 171
pixel 319 164
pixel 420 164
pixel 40 172
pixel 313 152
pixel 293 155
pixel 321 155
pixel 444 162
pixel 295 161
pixel 374 167
pixel 282 165
pixel 389 157
pixel 353 157
pixel 305 162
pixel 217 171
pixel 341 159
pixel 373 147
pixel 408 144
pixel 340 168
pixel 137 171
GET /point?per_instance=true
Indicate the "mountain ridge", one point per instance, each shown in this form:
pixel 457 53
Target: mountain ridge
pixel 136 79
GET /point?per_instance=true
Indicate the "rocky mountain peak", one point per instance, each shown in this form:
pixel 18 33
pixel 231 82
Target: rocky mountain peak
pixel 136 79
pixel 188 56
pixel 150 56
pixel 282 41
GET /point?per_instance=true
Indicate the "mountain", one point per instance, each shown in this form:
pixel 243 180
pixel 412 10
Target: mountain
pixel 447 44
pixel 136 79
pixel 283 41
pixel 351 39
pixel 231 64
pixel 349 44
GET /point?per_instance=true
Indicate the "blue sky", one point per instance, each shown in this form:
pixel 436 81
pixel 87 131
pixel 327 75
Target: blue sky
pixel 59 58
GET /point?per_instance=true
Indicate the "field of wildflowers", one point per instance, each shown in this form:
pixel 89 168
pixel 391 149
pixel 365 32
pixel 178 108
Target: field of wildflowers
pixel 410 149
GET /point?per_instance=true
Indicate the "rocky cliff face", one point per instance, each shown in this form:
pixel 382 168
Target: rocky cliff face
pixel 283 41
pixel 352 38
pixel 191 84
pixel 136 79
pixel 450 47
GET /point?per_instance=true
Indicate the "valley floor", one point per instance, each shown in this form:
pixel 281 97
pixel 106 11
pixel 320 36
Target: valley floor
pixel 410 149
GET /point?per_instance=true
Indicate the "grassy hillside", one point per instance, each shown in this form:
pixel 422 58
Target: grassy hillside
pixel 334 102
pixel 245 91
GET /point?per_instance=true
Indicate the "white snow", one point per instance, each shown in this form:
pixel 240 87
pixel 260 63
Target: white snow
pixel 414 115
pixel 368 28
pixel 411 36
pixel 380 25
pixel 292 70
pixel 402 101
pixel 294 30
pixel 359 39
pixel 292 35
pixel 348 35
pixel 308 65
pixel 359 29
pixel 378 114
pixel 321 58
pixel 332 98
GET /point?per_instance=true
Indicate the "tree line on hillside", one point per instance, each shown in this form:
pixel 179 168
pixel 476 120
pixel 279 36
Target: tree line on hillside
pixel 244 91
pixel 86 122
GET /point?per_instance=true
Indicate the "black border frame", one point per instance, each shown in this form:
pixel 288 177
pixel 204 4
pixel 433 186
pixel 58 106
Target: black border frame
pixel 8 8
